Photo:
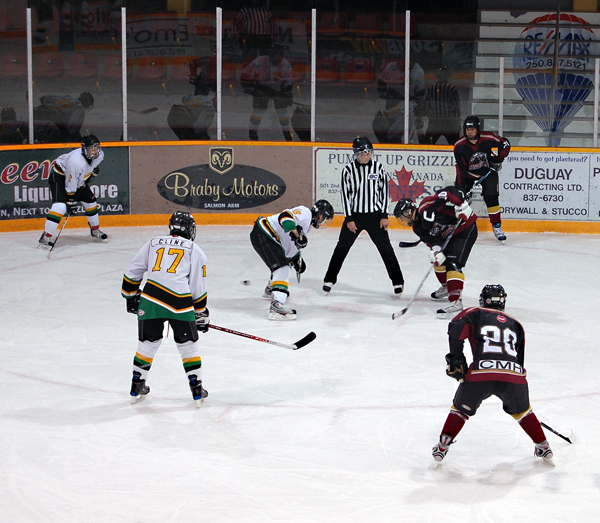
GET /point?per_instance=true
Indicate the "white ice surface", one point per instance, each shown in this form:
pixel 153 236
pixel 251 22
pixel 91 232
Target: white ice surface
pixel 339 431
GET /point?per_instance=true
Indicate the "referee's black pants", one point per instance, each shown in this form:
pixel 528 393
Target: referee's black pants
pixel 369 222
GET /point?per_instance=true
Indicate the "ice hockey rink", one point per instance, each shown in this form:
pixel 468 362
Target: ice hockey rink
pixel 338 431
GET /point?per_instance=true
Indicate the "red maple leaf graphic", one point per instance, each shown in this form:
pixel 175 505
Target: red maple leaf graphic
pixel 404 189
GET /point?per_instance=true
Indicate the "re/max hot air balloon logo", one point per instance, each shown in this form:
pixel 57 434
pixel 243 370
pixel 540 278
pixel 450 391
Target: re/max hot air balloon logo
pixel 554 99
pixel 239 187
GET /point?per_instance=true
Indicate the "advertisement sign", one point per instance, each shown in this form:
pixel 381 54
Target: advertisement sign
pixel 24 189
pixel 533 185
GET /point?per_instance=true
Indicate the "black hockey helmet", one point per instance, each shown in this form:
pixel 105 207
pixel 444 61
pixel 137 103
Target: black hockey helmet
pixel 472 122
pixel 405 209
pixel 182 224
pixel 322 214
pixel 86 100
pixel 493 297
pixel 90 147
pixel 362 144
pixel 8 114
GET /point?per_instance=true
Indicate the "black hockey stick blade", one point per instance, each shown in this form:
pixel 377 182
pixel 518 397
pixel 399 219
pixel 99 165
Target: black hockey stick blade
pixel 399 314
pixel 402 245
pixel 145 111
pixel 305 341
pixel 568 440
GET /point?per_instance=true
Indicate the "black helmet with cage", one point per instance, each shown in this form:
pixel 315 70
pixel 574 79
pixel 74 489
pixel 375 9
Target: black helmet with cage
pixel 493 297
pixel 90 147
pixel 86 100
pixel 405 208
pixel 472 122
pixel 322 214
pixel 182 224
pixel 362 144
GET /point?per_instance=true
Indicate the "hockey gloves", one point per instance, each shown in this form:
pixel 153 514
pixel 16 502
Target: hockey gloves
pixel 71 207
pixel 456 366
pixel 202 321
pixel 437 256
pixel 133 303
pixel 300 241
pixel 463 212
pixel 298 264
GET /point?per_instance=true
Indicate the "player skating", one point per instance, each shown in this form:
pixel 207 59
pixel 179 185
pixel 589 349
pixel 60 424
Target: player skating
pixel 437 217
pixel 69 184
pixel 498 346
pixel 479 156
pixel 278 240
pixel 175 291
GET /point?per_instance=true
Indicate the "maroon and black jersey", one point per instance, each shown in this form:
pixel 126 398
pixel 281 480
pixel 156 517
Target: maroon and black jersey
pixel 436 216
pixel 497 343
pixel 473 160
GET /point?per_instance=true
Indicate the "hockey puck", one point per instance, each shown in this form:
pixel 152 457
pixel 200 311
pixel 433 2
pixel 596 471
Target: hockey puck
pixel 245 282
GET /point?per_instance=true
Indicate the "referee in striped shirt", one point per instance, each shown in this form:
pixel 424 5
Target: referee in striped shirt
pixel 365 199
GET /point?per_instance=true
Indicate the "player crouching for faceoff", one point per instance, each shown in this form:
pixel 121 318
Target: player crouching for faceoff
pixel 278 240
pixel 175 291
pixel 437 216
pixel 69 184
pixel 498 346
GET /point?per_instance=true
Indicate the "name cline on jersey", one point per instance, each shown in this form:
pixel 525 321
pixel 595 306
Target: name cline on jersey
pixel 176 241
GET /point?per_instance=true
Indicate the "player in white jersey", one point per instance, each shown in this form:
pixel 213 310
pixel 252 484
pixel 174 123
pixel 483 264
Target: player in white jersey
pixel 175 291
pixel 69 183
pixel 278 239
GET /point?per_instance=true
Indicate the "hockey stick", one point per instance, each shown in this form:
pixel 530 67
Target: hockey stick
pixel 403 245
pixel 569 440
pixel 298 345
pixel 469 195
pixel 298 274
pixel 403 311
pixel 58 235
pixel 145 111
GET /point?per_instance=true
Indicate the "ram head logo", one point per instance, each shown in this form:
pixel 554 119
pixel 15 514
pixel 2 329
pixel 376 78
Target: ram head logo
pixel 221 159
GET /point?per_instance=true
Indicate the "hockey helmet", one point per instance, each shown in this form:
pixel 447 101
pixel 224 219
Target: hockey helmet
pixel 405 208
pixel 8 114
pixel 493 297
pixel 322 214
pixel 362 144
pixel 90 147
pixel 182 224
pixel 86 100
pixel 472 122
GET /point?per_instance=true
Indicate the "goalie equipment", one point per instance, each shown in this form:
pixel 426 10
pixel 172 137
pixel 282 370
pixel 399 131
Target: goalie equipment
pixel 406 208
pixel 90 147
pixel 493 297
pixel 322 214
pixel 202 320
pixel 182 224
pixel 133 303
pixel 456 366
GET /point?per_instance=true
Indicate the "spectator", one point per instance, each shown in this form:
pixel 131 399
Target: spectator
pixel 442 105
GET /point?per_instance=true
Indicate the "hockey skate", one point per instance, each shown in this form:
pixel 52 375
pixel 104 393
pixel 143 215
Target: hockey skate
pixel 399 289
pixel 499 233
pixel 45 242
pixel 280 312
pixel 139 389
pixel 268 292
pixel 441 449
pixel 98 235
pixel 327 287
pixel 440 294
pixel 447 313
pixel 198 392
pixel 543 450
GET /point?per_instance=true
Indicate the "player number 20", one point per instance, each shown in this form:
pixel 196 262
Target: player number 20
pixel 498 340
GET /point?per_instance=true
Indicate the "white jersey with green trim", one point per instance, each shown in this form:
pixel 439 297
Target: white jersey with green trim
pixel 176 278
pixel 280 223
pixel 76 169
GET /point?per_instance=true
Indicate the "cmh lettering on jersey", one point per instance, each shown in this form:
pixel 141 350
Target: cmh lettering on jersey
pixel 542 173
pixel 511 366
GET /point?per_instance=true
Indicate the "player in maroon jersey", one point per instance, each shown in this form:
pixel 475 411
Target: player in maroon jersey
pixel 479 156
pixel 498 346
pixel 437 216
